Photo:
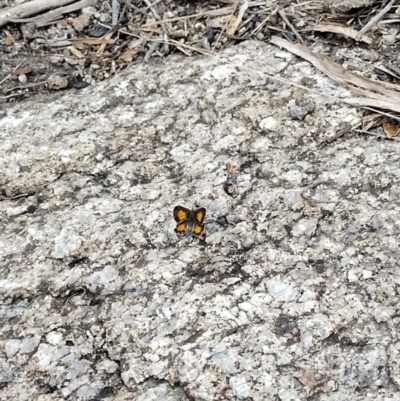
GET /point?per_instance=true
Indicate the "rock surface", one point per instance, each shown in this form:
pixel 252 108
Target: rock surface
pixel 346 5
pixel 294 296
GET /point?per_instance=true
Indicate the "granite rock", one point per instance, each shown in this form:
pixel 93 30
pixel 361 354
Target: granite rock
pixel 293 293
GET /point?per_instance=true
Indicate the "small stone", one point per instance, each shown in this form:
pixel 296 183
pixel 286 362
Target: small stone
pixel 302 107
pixel 56 82
pixel 67 242
pixel 269 124
pixel 305 227
pixel 105 17
pixel 369 55
pixel 389 39
pixel 22 78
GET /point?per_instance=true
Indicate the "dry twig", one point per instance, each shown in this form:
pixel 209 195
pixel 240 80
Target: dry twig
pixel 343 30
pixel 9 75
pixel 233 25
pixel 163 25
pixel 281 12
pixel 374 20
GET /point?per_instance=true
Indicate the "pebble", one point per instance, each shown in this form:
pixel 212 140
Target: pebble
pixel 22 78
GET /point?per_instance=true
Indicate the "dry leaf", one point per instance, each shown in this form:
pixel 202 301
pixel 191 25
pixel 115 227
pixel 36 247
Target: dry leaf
pixel 9 38
pixel 129 55
pixel 81 22
pixel 22 71
pixel 391 130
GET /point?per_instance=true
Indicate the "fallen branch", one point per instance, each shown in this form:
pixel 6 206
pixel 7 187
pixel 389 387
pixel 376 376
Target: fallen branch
pixel 30 8
pixel 44 19
pixel 373 94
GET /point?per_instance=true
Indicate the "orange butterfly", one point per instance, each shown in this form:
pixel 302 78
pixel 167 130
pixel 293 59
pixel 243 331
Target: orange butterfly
pixel 189 221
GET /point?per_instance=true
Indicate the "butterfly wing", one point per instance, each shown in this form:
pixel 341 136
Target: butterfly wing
pixel 181 214
pixel 197 229
pixel 181 228
pixel 199 216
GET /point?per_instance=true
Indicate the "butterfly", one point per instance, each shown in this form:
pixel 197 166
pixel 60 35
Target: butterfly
pixel 189 221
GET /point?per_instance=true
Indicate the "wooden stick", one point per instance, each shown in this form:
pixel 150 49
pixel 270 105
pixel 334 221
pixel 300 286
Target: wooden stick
pixel 30 8
pixel 374 20
pixel 45 19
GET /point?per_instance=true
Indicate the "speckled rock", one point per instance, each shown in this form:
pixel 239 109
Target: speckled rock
pixel 293 293
pixel 346 5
